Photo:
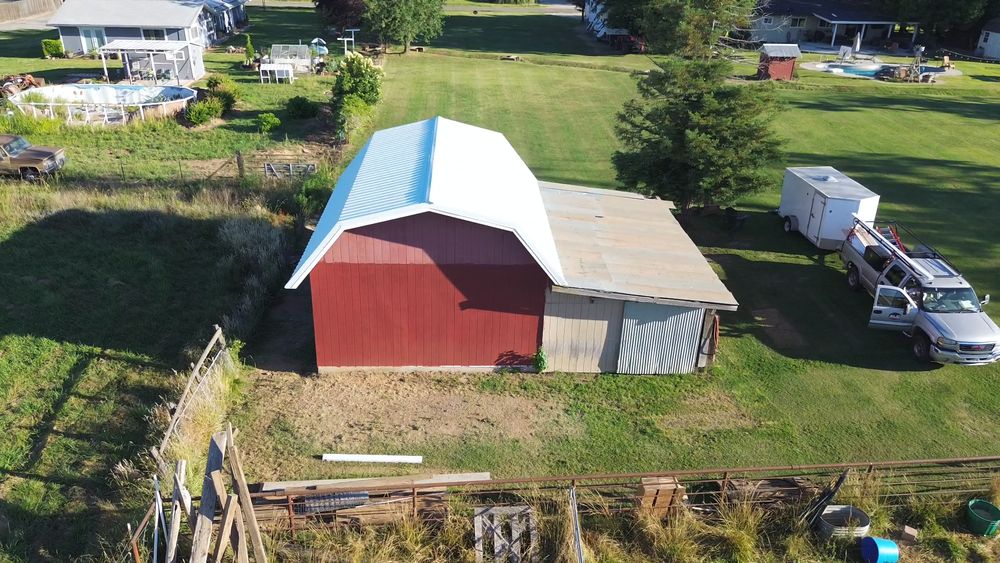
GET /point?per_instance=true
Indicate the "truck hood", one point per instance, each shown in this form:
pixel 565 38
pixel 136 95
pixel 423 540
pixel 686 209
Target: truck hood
pixel 966 327
pixel 37 154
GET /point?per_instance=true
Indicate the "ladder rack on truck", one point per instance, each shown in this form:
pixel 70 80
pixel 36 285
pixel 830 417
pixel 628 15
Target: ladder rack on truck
pixel 897 250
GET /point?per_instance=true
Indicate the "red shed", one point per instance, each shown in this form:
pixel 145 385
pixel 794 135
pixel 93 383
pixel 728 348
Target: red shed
pixel 777 61
pixel 434 250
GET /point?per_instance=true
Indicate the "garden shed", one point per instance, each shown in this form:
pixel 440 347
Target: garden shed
pixel 438 248
pixel 777 61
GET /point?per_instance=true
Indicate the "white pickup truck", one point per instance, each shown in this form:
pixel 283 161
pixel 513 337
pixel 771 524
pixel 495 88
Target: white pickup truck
pixel 921 294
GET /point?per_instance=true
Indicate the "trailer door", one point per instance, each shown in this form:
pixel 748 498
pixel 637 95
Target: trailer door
pixel 893 309
pixel 816 217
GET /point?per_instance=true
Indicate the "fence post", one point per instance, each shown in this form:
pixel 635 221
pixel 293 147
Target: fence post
pixel 239 164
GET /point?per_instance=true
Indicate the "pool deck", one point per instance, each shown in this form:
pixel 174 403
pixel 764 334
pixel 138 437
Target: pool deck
pixel 814 67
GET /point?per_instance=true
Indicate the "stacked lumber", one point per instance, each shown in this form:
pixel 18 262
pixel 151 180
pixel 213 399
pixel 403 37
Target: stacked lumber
pixel 658 495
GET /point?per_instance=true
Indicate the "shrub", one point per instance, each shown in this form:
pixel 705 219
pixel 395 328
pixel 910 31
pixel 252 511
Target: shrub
pixel 18 123
pixel 358 77
pixel 540 360
pixel 314 192
pixel 53 48
pixel 267 121
pixel 227 98
pixel 301 107
pixel 204 111
pixel 248 58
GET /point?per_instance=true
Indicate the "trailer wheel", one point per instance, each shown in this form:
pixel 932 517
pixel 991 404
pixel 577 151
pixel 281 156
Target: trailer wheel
pixel 921 346
pixel 853 278
pixel 791 224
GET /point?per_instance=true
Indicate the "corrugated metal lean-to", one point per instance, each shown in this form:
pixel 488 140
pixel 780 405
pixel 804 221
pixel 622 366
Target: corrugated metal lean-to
pixel 659 339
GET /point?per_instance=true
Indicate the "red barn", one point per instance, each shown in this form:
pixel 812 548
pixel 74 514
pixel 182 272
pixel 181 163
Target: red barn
pixel 439 248
pixel 777 61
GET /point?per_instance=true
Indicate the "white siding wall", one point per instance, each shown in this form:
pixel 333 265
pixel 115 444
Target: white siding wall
pixel 581 334
pixel 659 339
pixel 990 48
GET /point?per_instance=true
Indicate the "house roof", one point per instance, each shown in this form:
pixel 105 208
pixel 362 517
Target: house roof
pixel 442 166
pixel 833 11
pixel 778 50
pixel 621 245
pixel 127 13
pixel 993 26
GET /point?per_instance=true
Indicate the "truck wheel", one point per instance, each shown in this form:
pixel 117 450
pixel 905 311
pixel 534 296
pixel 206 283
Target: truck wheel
pixel 921 346
pixel 853 278
pixel 788 225
pixel 30 174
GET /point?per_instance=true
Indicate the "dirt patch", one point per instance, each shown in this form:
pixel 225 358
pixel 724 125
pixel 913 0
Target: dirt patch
pixel 778 329
pixel 352 411
pixel 707 412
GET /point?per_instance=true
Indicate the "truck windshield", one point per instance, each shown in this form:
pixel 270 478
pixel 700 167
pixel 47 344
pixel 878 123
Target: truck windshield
pixel 954 300
pixel 17 146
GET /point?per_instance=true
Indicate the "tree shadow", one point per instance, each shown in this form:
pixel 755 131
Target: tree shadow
pixel 537 34
pixel 907 106
pixel 96 304
pixel 794 298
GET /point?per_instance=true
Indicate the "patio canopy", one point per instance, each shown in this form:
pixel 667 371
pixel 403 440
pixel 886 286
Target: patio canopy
pixel 143 46
pixel 148 48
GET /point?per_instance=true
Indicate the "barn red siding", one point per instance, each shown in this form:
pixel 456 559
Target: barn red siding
pixel 776 68
pixel 427 290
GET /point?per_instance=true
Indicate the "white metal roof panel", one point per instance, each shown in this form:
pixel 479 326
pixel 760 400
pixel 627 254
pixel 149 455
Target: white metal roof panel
pixel 789 50
pixel 144 45
pixel 126 13
pixel 623 246
pixel 442 166
pixel 832 183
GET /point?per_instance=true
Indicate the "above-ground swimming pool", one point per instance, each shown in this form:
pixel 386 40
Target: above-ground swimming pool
pixel 868 70
pixel 103 103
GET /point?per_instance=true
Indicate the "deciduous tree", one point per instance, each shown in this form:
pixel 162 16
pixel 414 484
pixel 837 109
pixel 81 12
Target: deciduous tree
pixel 688 28
pixel 341 13
pixel 404 21
pixel 693 138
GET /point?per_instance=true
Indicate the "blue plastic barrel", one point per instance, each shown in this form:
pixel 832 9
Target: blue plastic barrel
pixel 879 550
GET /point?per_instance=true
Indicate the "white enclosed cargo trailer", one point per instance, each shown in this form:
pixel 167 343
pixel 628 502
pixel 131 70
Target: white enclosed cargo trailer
pixel 820 202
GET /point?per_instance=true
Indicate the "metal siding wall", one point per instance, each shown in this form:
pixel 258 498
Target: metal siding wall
pixel 659 339
pixel 581 334
pixel 427 290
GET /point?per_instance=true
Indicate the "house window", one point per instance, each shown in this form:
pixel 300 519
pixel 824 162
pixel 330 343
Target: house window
pixel 766 20
pixel 824 23
pixel 986 37
pixel 796 22
pixel 154 34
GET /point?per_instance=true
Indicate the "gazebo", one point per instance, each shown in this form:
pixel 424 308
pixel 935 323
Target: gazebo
pixel 156 60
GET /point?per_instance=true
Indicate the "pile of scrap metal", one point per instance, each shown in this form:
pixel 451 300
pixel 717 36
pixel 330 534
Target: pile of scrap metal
pixel 781 490
pixel 13 84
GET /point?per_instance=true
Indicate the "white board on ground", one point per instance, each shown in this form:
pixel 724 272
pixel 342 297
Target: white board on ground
pixel 373 458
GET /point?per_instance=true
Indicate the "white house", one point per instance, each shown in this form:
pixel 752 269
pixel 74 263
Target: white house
pixel 989 40
pixel 87 25
pixel 830 22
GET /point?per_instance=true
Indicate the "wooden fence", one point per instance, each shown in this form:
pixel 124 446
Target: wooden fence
pixel 19 9
pixel 214 358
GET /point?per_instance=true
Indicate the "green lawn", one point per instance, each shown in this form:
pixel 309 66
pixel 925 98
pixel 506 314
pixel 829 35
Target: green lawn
pixel 152 151
pixel 843 392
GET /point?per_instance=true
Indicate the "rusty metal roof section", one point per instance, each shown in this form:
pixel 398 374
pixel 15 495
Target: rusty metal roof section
pixel 621 245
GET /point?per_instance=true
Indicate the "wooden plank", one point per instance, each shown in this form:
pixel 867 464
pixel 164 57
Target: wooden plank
pixel 242 556
pixel 226 527
pixel 237 536
pixel 246 504
pixel 477 524
pixel 187 388
pixel 202 536
pixel 175 511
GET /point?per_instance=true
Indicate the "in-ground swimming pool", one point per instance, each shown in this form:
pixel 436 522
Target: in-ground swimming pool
pixel 103 103
pixel 868 70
